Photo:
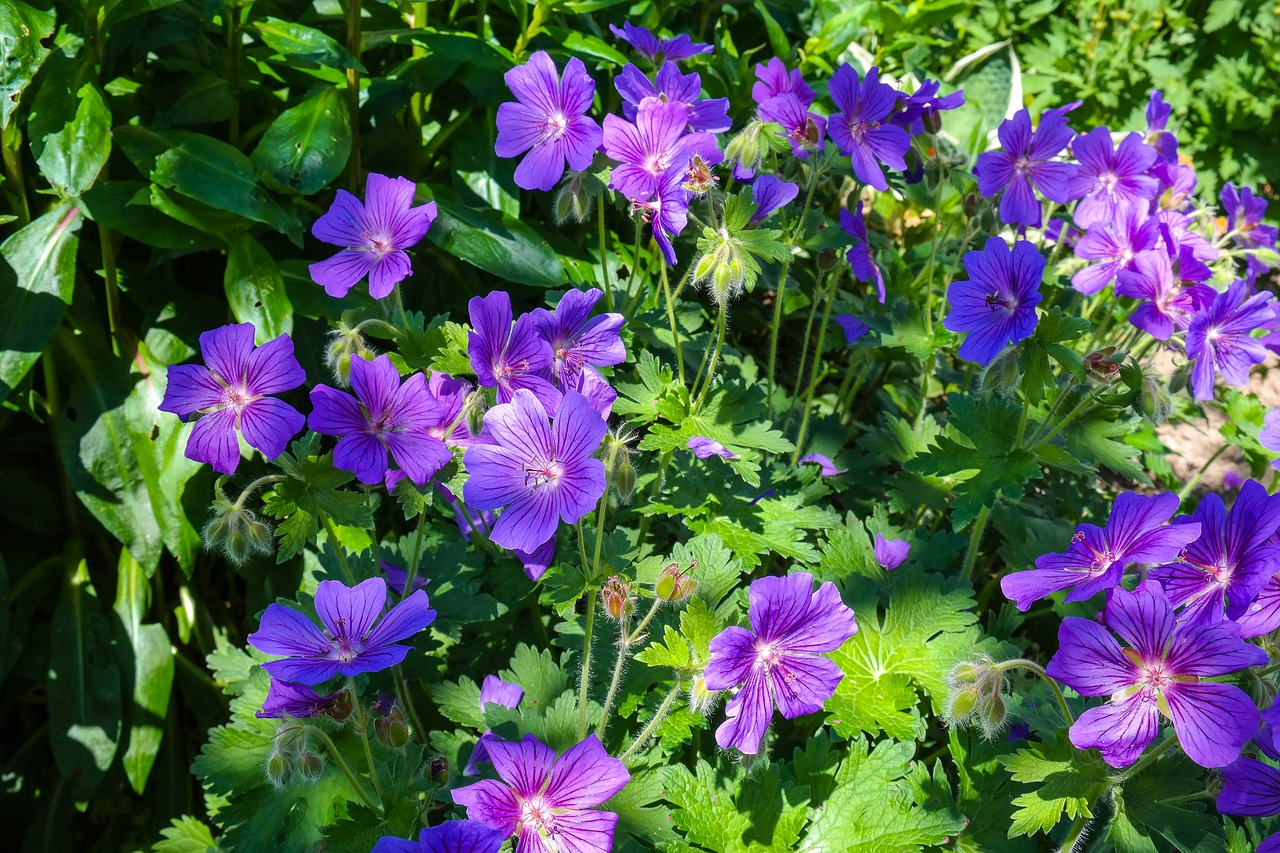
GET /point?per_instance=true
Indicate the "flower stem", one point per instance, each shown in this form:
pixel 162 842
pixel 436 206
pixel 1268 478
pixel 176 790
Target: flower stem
pixel 320 735
pixel 975 539
pixel 773 332
pixel 654 721
pixel 253 487
pixel 411 571
pixel 671 318
pixel 586 665
pixel 619 664
pixel 1195 480
pixel 816 376
pixel 715 360
pixel 353 94
pixel 604 261
pixel 337 548
pixel 1053 685
pixel 635 635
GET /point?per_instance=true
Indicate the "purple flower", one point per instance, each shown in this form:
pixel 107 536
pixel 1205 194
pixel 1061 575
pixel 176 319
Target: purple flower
pixel 230 396
pixel 1269 437
pixel 1218 338
pixel 890 553
pixel 1244 213
pixel 1109 177
pixel 1166 305
pixel 1177 184
pixel 997 305
pixel 497 692
pixel 666 207
pixel 455 836
pixel 540 473
pixel 653 146
pixel 859 257
pixel 774 79
pixel 1178 233
pixel 375 235
pixel 1159 674
pixel 296 700
pixel 825 463
pixel 398 577
pixel 1025 165
pixel 1249 789
pixel 451 396
pixel 802 128
pixel 777 662
pixel 770 193
pixel 548 802
pixel 657 50
pixel 853 327
pixel 705 448
pixel 549 120
pixel 710 115
pixel 923 103
pixel 1135 533
pixel 1231 561
pixel 509 358
pixel 1116 243
pixel 579 342
pixel 357 637
pixel 858 129
pixel 384 417
pixel 1158 137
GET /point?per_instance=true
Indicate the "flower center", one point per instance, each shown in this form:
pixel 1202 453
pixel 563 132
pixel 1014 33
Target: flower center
pixel 542 472
pixel 237 397
pixel 1022 165
pixel 1219 573
pixel 504 371
pixel 996 299
pixel 555 126
pixel 343 648
pixel 1102 560
pixel 535 816
pixel 1108 181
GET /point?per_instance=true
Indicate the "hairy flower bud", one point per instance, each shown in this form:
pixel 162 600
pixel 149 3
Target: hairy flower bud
pixel 1103 365
pixel 932 121
pixel 572 200
pixel 475 408
pixel 744 149
pixel 992 714
pixel 439 770
pixel 345 343
pixel 237 532
pixel 701 700
pixel 1154 402
pixel 674 584
pixel 971 203
pixel 310 766
pixel 342 705
pixel 1001 375
pixel 624 481
pixel 393 729
pixel 617 599
pixel 279 769
pixel 721 269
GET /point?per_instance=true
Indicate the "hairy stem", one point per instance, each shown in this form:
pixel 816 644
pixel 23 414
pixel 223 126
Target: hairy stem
pixel 656 720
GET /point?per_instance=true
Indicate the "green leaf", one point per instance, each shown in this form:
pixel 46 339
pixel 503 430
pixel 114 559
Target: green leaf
pixel 297 41
pixel 536 671
pixel 672 652
pixel 22 29
pixel 73 154
pixel 494 242
pixel 84 686
pixel 984 793
pixel 1066 783
pixel 988 459
pixel 643 400
pixel 186 835
pixel 255 290
pixel 36 282
pixel 1099 438
pixel 307 146
pixel 721 809
pixel 125 206
pixel 1034 354
pixel 459 701
pixel 313 487
pixel 1161 809
pixel 584 44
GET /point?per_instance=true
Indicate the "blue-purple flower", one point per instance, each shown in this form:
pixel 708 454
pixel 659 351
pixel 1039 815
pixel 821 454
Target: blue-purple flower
pixel 859 257
pixel 705 448
pixel 229 393
pixel 579 342
pixel 779 661
pixel 1166 304
pixel 1110 177
pixel 375 234
pixel 890 553
pixel 802 128
pixel 539 473
pixel 656 144
pixel 493 691
pixel 825 464
pixel 454 836
pixel 383 419
pixel 657 50
pixel 549 120
pixel 1220 338
pixel 1158 674
pixel 1158 135
pixel 506 357
pixel 770 193
pixel 773 78
pixel 1025 164
pixel 859 129
pixel 997 304
pixel 709 115
pixel 548 802
pixel 1244 212
pixel 924 103
pixel 852 327
pixel 1116 242
pixel 357 637
pixel 298 700
pixel 666 208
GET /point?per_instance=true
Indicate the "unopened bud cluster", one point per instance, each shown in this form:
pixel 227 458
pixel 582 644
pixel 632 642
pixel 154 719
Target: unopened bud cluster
pixel 674 584
pixel 345 343
pixel 976 696
pixel 237 533
pixel 722 270
pixel 292 758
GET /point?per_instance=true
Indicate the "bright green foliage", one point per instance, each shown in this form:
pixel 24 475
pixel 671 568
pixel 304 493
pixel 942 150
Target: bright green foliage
pixel 1159 810
pixel 1067 783
pixel 721 809
pixel 313 489
pixel 1052 332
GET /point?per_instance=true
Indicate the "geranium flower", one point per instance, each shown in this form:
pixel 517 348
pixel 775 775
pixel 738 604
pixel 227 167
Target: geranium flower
pixel 383 419
pixel 666 208
pixel 858 129
pixel 230 396
pixel 506 357
pixel 852 327
pixel 773 78
pixel 1025 165
pixel 859 257
pixel 924 103
pixel 778 662
pixel 454 836
pixel 375 234
pixel 356 637
pixel 890 553
pixel 495 691
pixel 1115 242
pixel 549 120
pixel 548 803
pixel 656 144
pixel 1166 305
pixel 705 448
pixel 825 463
pixel 708 115
pixel 1158 136
pixel 1220 338
pixel 1244 212
pixel 657 50
pixel 1159 674
pixel 579 342
pixel 803 129
pixel 770 193
pixel 539 473
pixel 297 700
pixel 997 305
pixel 1110 177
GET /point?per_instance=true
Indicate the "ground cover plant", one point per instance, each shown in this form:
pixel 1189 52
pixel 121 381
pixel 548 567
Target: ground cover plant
pixel 574 426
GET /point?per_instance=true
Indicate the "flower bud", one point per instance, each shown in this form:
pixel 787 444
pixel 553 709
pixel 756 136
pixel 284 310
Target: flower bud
pixel 1102 365
pixel 971 203
pixel 827 259
pixel 1001 375
pixel 722 269
pixel 310 766
pixel 393 729
pixel 345 343
pixel 674 584
pixel 475 408
pixel 342 705
pixel 279 769
pixel 701 700
pixel 572 201
pixel 624 481
pixel 260 538
pixel 439 770
pixel 961 706
pixel 618 601
pixel 991 714
pixel 744 150
pixel 1154 402
pixel 932 121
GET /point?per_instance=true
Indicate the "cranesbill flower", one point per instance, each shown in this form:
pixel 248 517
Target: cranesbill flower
pixel 771 193
pixel 506 357
pixel 454 836
pixel 1109 177
pixel 1135 533
pixel 801 128
pixel 890 553
pixel 375 235
pixel 1166 305
pixel 1269 437
pixel 705 114
pixel 852 327
pixel 548 803
pixel 924 103
pixel 579 342
pixel 356 637
pixel 398 577
pixel 657 50
pixel 654 145
pixel 549 120
pixel 451 396
pixel 1115 242
pixel 1025 165
pixel 1158 137
pixel 1249 789
pixel 495 691
pixel 1177 185
pixel 1231 561
pixel 297 700
pixel 824 463
pixel 230 396
pixel 705 448
pixel 858 129
pixel 859 257
pixel 666 208
pixel 997 305
pixel 1219 338
pixel 1157 675
pixel 778 661
pixel 772 78
pixel 1244 212
pixel 384 418
pixel 539 473
pixel 1177 230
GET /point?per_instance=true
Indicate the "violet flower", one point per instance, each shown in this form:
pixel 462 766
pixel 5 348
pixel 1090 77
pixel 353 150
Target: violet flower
pixel 997 305
pixel 772 78
pixel 1231 561
pixel 654 145
pixel 778 662
pixel 1219 338
pixel 506 357
pixel 1115 242
pixel 296 700
pixel 1269 437
pixel 657 50
pixel 1250 789
pixel 1166 305
pixel 859 257
pixel 1135 533
pixel 824 463
pixel 803 129
pixel 852 327
pixel 451 397
pixel 356 638
pixel 890 553
pixel 1025 165
pixel 384 418
pixel 495 691
pixel 770 194
pixel 579 342
pixel 666 208
pixel 924 103
pixel 397 577
pixel 858 129
pixel 1158 136
pixel 705 448
pixel 549 120
pixel 1158 674
pixel 454 836
pixel 539 473
pixel 1177 230
pixel 230 396
pixel 1110 177
pixel 1177 185
pixel 375 235
pixel 710 115
pixel 1244 212
pixel 548 803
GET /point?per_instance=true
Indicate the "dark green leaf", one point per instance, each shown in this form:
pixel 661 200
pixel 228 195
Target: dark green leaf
pixel 307 146
pixel 72 155
pixel 22 29
pixel 302 42
pixel 255 289
pixel 494 242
